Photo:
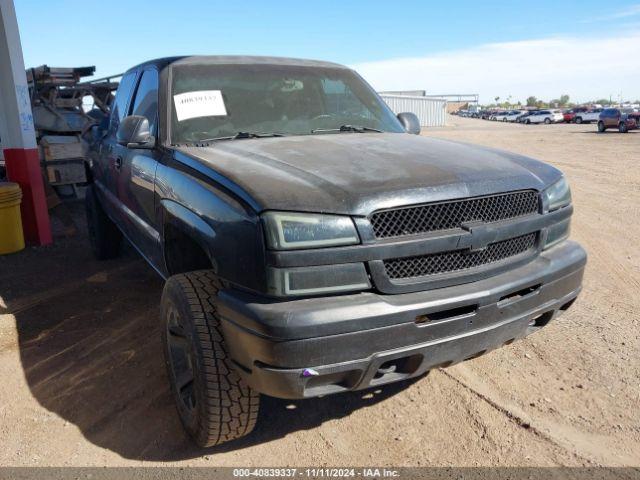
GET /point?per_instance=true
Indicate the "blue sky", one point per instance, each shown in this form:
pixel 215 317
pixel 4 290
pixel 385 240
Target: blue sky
pixel 486 47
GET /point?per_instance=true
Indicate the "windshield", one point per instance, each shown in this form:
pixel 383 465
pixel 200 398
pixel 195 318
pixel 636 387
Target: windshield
pixel 213 101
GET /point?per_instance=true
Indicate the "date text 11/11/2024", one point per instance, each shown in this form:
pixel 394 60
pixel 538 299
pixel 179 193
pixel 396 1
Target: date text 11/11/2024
pixel 316 472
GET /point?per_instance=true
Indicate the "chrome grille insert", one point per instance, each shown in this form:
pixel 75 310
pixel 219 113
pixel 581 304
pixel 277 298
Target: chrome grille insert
pixel 447 215
pixel 459 260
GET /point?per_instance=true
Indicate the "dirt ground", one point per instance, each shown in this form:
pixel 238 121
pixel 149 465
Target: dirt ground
pixel 83 380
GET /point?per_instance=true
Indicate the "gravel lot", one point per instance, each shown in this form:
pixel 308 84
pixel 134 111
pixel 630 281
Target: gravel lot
pixel 83 379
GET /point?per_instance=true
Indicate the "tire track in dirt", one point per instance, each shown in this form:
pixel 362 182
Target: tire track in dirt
pixel 589 448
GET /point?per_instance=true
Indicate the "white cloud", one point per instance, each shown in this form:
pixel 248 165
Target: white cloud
pixel 631 11
pixel 584 68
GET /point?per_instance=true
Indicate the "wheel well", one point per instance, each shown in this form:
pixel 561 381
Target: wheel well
pixel 182 253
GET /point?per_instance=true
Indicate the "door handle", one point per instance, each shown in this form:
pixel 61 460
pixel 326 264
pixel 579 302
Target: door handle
pixel 118 163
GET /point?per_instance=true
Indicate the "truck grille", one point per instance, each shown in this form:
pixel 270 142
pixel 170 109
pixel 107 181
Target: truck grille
pixel 458 260
pixel 448 215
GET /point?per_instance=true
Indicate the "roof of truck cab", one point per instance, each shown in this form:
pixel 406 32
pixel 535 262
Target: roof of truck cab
pixel 161 63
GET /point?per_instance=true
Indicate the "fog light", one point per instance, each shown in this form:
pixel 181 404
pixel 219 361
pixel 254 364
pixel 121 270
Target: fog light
pixel 557 233
pixel 317 280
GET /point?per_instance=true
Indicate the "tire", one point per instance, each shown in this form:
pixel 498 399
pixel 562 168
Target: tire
pixel 214 404
pixel 104 236
pixel 547 121
pixel 528 122
pixel 601 127
pixel 578 120
pixel 504 119
pixel 622 128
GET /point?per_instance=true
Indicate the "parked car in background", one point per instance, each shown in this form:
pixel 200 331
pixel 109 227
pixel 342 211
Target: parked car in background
pixel 500 116
pixel 588 116
pixel 513 115
pixel 622 119
pixel 506 115
pixel 522 118
pixel 570 115
pixel 545 116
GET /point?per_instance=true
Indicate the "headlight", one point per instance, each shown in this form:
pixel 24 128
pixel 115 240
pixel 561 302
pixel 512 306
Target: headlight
pixel 289 230
pixel 558 195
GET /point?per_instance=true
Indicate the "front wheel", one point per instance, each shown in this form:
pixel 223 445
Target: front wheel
pixel 214 404
pixel 601 127
pixel 547 121
pixel 622 128
pixel 528 122
pixel 578 120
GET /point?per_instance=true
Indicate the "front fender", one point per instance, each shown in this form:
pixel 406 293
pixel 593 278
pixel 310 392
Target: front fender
pixel 189 223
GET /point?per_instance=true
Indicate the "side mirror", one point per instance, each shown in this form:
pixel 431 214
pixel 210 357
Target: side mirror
pixel 134 132
pixel 410 122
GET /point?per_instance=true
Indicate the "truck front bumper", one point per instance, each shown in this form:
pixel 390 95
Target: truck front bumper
pixel 310 347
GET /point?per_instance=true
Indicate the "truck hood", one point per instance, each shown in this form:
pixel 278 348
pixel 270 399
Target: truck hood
pixel 358 173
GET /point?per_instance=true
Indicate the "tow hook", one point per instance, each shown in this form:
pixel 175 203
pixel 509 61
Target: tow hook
pixel 387 370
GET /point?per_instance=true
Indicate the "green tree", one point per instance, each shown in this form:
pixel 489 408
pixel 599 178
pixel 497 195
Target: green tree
pixel 564 99
pixel 532 101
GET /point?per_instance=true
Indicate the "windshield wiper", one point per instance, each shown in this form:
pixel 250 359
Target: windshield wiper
pixel 240 135
pixel 347 128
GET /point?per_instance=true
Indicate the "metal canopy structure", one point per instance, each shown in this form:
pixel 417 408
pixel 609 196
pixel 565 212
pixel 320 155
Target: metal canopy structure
pixel 61 119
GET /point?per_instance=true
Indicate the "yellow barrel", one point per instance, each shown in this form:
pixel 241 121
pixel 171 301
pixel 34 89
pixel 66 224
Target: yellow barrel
pixel 11 236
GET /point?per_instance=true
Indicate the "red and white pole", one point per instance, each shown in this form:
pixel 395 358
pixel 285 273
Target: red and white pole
pixel 17 133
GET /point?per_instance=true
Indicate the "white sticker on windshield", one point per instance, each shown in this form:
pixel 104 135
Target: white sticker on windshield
pixel 205 103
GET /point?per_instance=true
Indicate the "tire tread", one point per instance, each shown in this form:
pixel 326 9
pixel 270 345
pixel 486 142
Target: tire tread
pixel 231 407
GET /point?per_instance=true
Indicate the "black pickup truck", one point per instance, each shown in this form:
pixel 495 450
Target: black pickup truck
pixel 310 243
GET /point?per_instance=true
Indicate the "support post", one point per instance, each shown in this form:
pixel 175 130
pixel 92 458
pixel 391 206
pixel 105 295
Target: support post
pixel 17 131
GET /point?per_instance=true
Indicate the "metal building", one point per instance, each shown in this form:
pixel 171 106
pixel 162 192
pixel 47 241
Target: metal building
pixel 430 111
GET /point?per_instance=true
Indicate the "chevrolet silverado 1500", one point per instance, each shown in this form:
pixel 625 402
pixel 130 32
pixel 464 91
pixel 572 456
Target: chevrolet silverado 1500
pixel 310 241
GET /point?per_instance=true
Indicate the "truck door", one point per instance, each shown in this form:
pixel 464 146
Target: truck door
pixel 136 176
pixel 105 170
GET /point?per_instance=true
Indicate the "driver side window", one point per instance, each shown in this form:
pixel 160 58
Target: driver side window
pixel 145 102
pixel 123 94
